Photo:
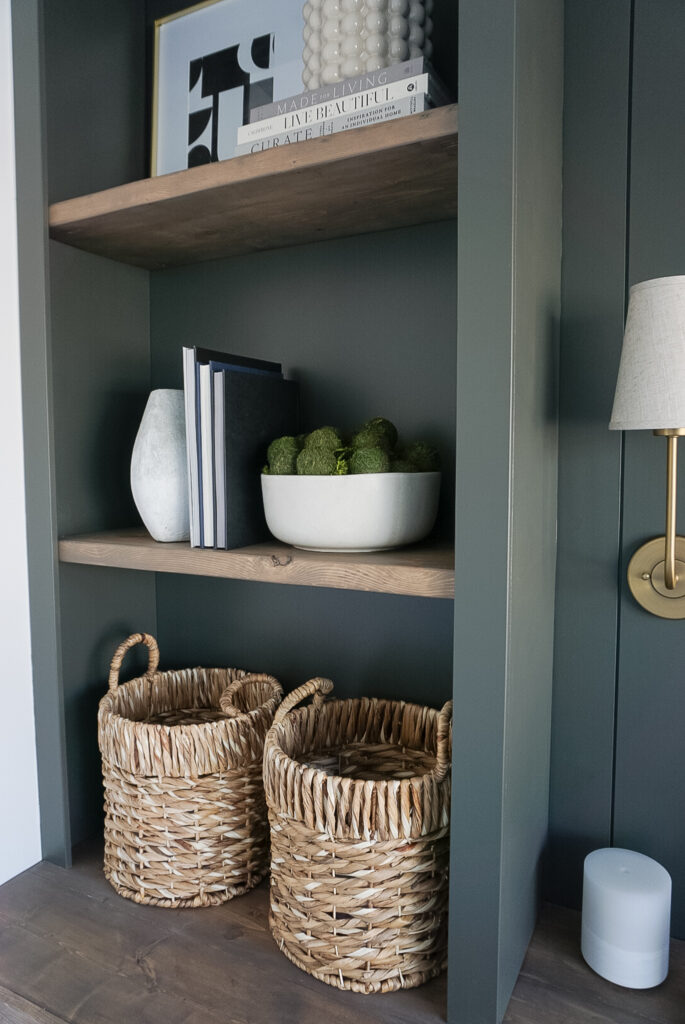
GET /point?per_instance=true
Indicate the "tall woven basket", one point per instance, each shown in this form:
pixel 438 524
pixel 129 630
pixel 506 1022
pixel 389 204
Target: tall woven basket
pixel 358 794
pixel 185 817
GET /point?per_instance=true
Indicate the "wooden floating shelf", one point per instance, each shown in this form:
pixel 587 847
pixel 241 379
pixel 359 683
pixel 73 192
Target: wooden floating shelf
pixel 382 176
pixel 419 571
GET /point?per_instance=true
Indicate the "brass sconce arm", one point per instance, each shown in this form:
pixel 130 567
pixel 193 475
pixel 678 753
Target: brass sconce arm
pixel 656 573
pixel 672 435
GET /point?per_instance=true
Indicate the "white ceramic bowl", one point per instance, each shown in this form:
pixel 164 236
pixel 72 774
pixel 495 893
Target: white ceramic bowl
pixel 359 512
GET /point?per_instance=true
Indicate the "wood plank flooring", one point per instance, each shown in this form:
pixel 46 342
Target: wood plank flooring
pixel 72 950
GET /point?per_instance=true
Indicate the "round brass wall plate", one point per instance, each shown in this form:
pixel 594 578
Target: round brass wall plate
pixel 646 579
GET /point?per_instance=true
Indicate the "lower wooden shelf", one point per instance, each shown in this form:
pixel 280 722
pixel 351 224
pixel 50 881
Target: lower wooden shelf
pixel 418 571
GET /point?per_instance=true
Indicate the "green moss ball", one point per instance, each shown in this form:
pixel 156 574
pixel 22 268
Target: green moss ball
pixel 369 460
pixel 401 466
pixel 387 429
pixel 316 462
pixel 281 455
pixel 424 457
pixel 283 465
pixel 325 437
pixel 369 437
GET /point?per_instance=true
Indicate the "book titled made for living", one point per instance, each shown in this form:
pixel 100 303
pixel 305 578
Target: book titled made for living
pixel 345 87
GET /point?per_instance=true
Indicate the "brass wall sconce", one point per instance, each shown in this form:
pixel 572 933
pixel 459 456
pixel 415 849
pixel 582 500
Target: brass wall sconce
pixel 650 395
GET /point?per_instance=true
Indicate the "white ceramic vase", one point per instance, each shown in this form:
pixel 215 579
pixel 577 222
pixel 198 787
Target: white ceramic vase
pixel 346 38
pixel 159 471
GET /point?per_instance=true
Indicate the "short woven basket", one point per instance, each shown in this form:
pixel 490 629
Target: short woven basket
pixel 358 793
pixel 185 817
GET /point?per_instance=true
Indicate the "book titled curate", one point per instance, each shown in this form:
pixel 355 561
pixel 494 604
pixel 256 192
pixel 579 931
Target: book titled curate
pixel 250 410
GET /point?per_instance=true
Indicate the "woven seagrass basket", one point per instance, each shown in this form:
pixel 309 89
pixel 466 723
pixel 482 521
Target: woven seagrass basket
pixel 358 794
pixel 185 817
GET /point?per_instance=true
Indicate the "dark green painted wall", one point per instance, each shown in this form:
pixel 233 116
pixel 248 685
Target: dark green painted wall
pixel 100 383
pixel 95 95
pixel 368 644
pixel 619 703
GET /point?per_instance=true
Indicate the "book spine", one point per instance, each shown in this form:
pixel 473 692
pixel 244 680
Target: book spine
pixel 335 108
pixel 373 115
pixel 206 456
pixel 219 457
pixel 347 87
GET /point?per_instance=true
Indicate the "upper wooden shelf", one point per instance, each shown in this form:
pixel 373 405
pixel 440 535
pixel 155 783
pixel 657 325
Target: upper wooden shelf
pixel 419 571
pixel 368 179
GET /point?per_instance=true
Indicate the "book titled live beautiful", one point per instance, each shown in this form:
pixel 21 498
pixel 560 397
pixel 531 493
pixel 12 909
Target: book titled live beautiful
pixel 250 410
pixel 350 104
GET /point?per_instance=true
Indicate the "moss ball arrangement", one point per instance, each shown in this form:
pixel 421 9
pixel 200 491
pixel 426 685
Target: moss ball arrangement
pixel 372 448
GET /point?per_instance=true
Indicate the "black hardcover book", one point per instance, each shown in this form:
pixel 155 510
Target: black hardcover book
pixel 250 410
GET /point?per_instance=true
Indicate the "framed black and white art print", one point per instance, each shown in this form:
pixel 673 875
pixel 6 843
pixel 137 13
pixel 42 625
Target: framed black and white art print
pixel 213 63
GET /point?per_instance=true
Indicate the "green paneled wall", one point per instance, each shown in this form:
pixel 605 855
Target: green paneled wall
pixel 649 805
pixel 619 702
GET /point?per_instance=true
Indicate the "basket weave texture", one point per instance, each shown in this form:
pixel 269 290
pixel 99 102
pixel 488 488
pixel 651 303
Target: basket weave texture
pixel 358 794
pixel 185 817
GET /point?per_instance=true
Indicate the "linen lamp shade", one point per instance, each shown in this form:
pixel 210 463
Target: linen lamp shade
pixel 650 390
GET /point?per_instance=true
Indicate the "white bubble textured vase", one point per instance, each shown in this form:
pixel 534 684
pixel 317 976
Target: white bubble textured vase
pixel 345 38
pixel 159 472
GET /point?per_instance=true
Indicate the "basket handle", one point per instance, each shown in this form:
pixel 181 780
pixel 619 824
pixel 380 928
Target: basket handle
pixel 444 753
pixel 226 699
pixel 135 638
pixel 318 688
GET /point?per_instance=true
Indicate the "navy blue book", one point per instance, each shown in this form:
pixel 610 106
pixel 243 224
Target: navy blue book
pixel 250 410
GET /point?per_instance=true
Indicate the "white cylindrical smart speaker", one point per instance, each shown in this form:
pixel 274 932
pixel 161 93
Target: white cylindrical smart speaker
pixel 626 917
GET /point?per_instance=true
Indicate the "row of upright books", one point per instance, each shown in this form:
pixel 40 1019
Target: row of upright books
pixel 375 96
pixel 234 407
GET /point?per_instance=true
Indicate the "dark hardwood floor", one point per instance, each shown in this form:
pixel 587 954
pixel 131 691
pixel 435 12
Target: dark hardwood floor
pixel 72 950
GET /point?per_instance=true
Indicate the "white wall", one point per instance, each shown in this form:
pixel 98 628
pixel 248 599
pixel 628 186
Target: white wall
pixel 19 821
